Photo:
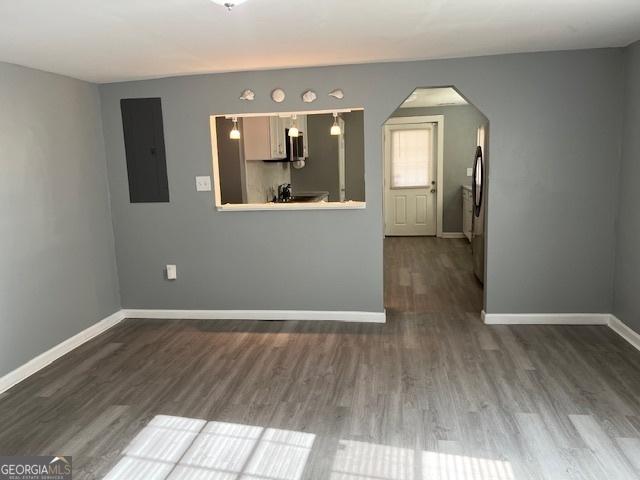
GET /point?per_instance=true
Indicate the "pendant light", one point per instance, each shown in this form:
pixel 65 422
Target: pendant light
pixel 335 128
pixel 234 134
pixel 293 131
pixel 229 4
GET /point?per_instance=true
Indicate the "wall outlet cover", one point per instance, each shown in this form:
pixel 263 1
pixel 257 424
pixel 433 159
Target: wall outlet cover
pixel 469 172
pixel 172 273
pixel 203 184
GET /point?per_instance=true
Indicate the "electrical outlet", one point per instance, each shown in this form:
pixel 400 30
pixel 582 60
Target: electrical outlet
pixel 203 184
pixel 469 172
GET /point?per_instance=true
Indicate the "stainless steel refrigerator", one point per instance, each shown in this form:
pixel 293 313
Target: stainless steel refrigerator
pixel 479 202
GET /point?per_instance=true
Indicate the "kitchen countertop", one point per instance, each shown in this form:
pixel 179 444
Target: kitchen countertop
pixel 306 197
pixel 252 207
pixel 311 194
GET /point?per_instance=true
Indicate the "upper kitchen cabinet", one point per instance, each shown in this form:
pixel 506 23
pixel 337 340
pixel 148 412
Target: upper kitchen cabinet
pixel 144 147
pixel 265 137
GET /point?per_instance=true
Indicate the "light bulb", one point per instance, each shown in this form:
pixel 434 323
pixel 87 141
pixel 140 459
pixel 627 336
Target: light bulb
pixel 234 134
pixel 293 131
pixel 335 128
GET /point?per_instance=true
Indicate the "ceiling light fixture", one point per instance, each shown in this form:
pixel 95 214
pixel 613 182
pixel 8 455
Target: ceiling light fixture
pixel 335 128
pixel 229 4
pixel 234 134
pixel 293 131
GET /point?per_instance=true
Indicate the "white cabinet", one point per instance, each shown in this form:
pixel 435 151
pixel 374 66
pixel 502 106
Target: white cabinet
pixel 263 138
pixel 276 128
pixel 467 212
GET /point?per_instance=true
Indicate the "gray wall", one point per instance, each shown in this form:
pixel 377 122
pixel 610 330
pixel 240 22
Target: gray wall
pixel 626 305
pixel 58 268
pixel 550 198
pixel 461 124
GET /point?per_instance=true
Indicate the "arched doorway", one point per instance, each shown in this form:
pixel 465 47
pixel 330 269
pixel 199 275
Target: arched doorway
pixel 435 150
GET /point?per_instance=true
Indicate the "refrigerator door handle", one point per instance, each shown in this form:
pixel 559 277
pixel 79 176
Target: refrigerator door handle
pixel 477 186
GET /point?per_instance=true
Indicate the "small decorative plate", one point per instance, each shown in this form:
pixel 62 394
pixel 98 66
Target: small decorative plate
pixel 278 95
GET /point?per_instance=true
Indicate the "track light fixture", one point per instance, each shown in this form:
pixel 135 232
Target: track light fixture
pixel 229 4
pixel 234 134
pixel 293 131
pixel 335 128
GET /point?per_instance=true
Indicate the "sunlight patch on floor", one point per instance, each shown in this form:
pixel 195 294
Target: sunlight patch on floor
pixel 369 461
pixel 179 448
pixel 175 448
pixel 441 466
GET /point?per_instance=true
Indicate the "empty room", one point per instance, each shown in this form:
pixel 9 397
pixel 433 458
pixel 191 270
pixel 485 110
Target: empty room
pixel 308 240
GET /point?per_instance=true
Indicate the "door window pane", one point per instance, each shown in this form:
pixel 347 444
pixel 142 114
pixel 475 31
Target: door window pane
pixel 411 154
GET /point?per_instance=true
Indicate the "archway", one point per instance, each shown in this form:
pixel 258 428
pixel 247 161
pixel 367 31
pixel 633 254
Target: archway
pixel 435 152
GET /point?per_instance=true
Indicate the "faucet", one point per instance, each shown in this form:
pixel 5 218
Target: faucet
pixel 284 192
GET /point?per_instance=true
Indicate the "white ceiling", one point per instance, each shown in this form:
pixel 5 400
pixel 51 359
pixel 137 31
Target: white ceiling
pixel 111 40
pixel 433 97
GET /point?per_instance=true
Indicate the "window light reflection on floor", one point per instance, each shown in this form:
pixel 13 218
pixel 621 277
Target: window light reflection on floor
pixel 179 448
pixel 369 461
pixel 459 467
pixel 175 448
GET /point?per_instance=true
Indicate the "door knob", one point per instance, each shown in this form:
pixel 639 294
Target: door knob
pixel 433 190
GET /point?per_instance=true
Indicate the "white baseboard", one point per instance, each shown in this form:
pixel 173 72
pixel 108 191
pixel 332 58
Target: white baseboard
pixel 103 325
pixel 452 235
pixel 44 359
pixel 546 318
pixel 338 316
pixel 611 321
pixel 624 331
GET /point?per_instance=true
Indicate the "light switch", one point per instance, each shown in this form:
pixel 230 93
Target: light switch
pixel 172 274
pixel 469 172
pixel 203 184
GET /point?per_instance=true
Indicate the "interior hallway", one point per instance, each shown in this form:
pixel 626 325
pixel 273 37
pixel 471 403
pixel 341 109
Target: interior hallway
pixel 430 275
pixel 432 394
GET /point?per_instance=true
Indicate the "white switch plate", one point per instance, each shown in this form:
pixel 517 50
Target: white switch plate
pixel 469 172
pixel 203 184
pixel 172 274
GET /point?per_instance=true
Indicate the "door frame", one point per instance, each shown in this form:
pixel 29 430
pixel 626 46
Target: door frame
pixel 439 121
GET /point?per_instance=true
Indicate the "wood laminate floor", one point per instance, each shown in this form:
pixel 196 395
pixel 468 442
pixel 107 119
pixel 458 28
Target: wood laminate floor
pixel 430 275
pixel 433 394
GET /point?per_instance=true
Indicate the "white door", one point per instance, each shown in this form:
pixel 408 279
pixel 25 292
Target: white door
pixel 410 179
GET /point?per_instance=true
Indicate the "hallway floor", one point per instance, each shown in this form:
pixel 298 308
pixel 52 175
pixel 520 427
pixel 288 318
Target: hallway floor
pixel 430 275
pixel 433 394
